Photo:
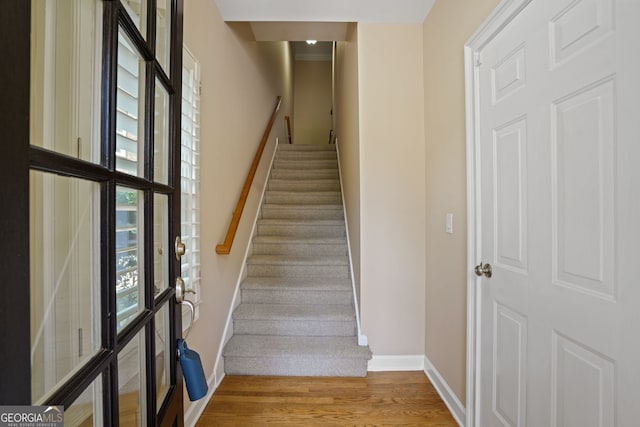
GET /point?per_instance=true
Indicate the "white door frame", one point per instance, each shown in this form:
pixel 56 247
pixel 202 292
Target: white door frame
pixel 504 13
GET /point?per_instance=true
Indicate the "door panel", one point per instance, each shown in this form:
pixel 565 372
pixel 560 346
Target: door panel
pixel 509 382
pixel 558 101
pixel 583 179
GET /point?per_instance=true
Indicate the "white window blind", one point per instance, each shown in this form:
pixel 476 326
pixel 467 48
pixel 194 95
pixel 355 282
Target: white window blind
pixel 190 175
pixel 129 136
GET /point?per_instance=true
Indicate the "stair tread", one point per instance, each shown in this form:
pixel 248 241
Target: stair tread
pixel 306 164
pixel 311 193
pixel 302 206
pixel 326 155
pixel 305 182
pixel 307 147
pixel 269 346
pixel 298 260
pixel 297 283
pixel 300 240
pixel 295 312
pixel 300 221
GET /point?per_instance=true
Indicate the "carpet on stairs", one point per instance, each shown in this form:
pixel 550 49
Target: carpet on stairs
pixel 296 314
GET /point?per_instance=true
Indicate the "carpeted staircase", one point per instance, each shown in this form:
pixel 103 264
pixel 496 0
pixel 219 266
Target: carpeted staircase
pixel 296 315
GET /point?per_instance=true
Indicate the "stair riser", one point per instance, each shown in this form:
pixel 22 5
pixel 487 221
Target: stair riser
pixel 259 296
pixel 309 185
pixel 272 212
pixel 305 164
pixel 303 198
pixel 328 271
pixel 299 249
pixel 286 366
pixel 301 230
pixel 294 328
pixel 307 155
pixel 306 147
pixel 295 174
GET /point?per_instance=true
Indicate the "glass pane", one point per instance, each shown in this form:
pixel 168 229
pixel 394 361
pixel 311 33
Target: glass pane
pixel 129 245
pixel 131 380
pixel 163 34
pixel 161 135
pixel 130 108
pixel 161 248
pixel 86 411
pixel 66 43
pixel 163 349
pixel 65 278
pixel 137 10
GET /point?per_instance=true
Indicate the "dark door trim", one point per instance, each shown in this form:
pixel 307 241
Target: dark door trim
pixel 15 343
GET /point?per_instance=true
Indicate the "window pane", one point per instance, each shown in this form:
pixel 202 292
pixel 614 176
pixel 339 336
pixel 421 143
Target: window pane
pixel 137 10
pixel 129 242
pixel 65 278
pixel 163 34
pixel 161 135
pixel 66 43
pixel 131 380
pixel 163 350
pixel 86 411
pixel 130 108
pixel 161 248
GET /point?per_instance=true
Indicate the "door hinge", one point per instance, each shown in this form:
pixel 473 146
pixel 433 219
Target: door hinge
pixel 80 343
pixel 477 59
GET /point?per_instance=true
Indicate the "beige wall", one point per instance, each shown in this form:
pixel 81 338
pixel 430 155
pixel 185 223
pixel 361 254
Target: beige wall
pixel 392 187
pixel 446 29
pixel 312 102
pixel 400 129
pixel 240 82
pixel 348 138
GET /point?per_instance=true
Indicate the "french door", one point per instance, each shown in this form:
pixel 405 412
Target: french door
pixel 91 184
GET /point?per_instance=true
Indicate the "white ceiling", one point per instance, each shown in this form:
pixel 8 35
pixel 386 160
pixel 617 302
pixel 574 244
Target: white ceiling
pixel 373 11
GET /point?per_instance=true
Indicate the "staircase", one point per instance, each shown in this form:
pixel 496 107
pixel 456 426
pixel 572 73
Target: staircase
pixel 296 315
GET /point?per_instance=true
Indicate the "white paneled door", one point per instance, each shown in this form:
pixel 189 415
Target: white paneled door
pixel 557 135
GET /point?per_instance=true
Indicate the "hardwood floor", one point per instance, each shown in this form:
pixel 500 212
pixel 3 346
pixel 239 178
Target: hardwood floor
pixel 380 399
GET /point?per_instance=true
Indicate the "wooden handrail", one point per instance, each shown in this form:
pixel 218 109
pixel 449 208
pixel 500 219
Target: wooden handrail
pixel 225 248
pixel 286 118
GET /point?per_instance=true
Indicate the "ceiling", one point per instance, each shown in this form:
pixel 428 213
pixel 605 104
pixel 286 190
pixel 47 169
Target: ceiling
pixel 374 11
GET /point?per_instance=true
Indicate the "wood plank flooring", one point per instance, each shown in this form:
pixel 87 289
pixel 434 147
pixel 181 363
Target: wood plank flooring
pixel 380 399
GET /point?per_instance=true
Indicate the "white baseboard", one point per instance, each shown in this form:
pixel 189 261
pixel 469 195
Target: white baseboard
pixel 192 415
pixel 448 396
pixel 396 363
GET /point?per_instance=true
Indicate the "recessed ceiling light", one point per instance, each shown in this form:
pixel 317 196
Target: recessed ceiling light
pixel 312 41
